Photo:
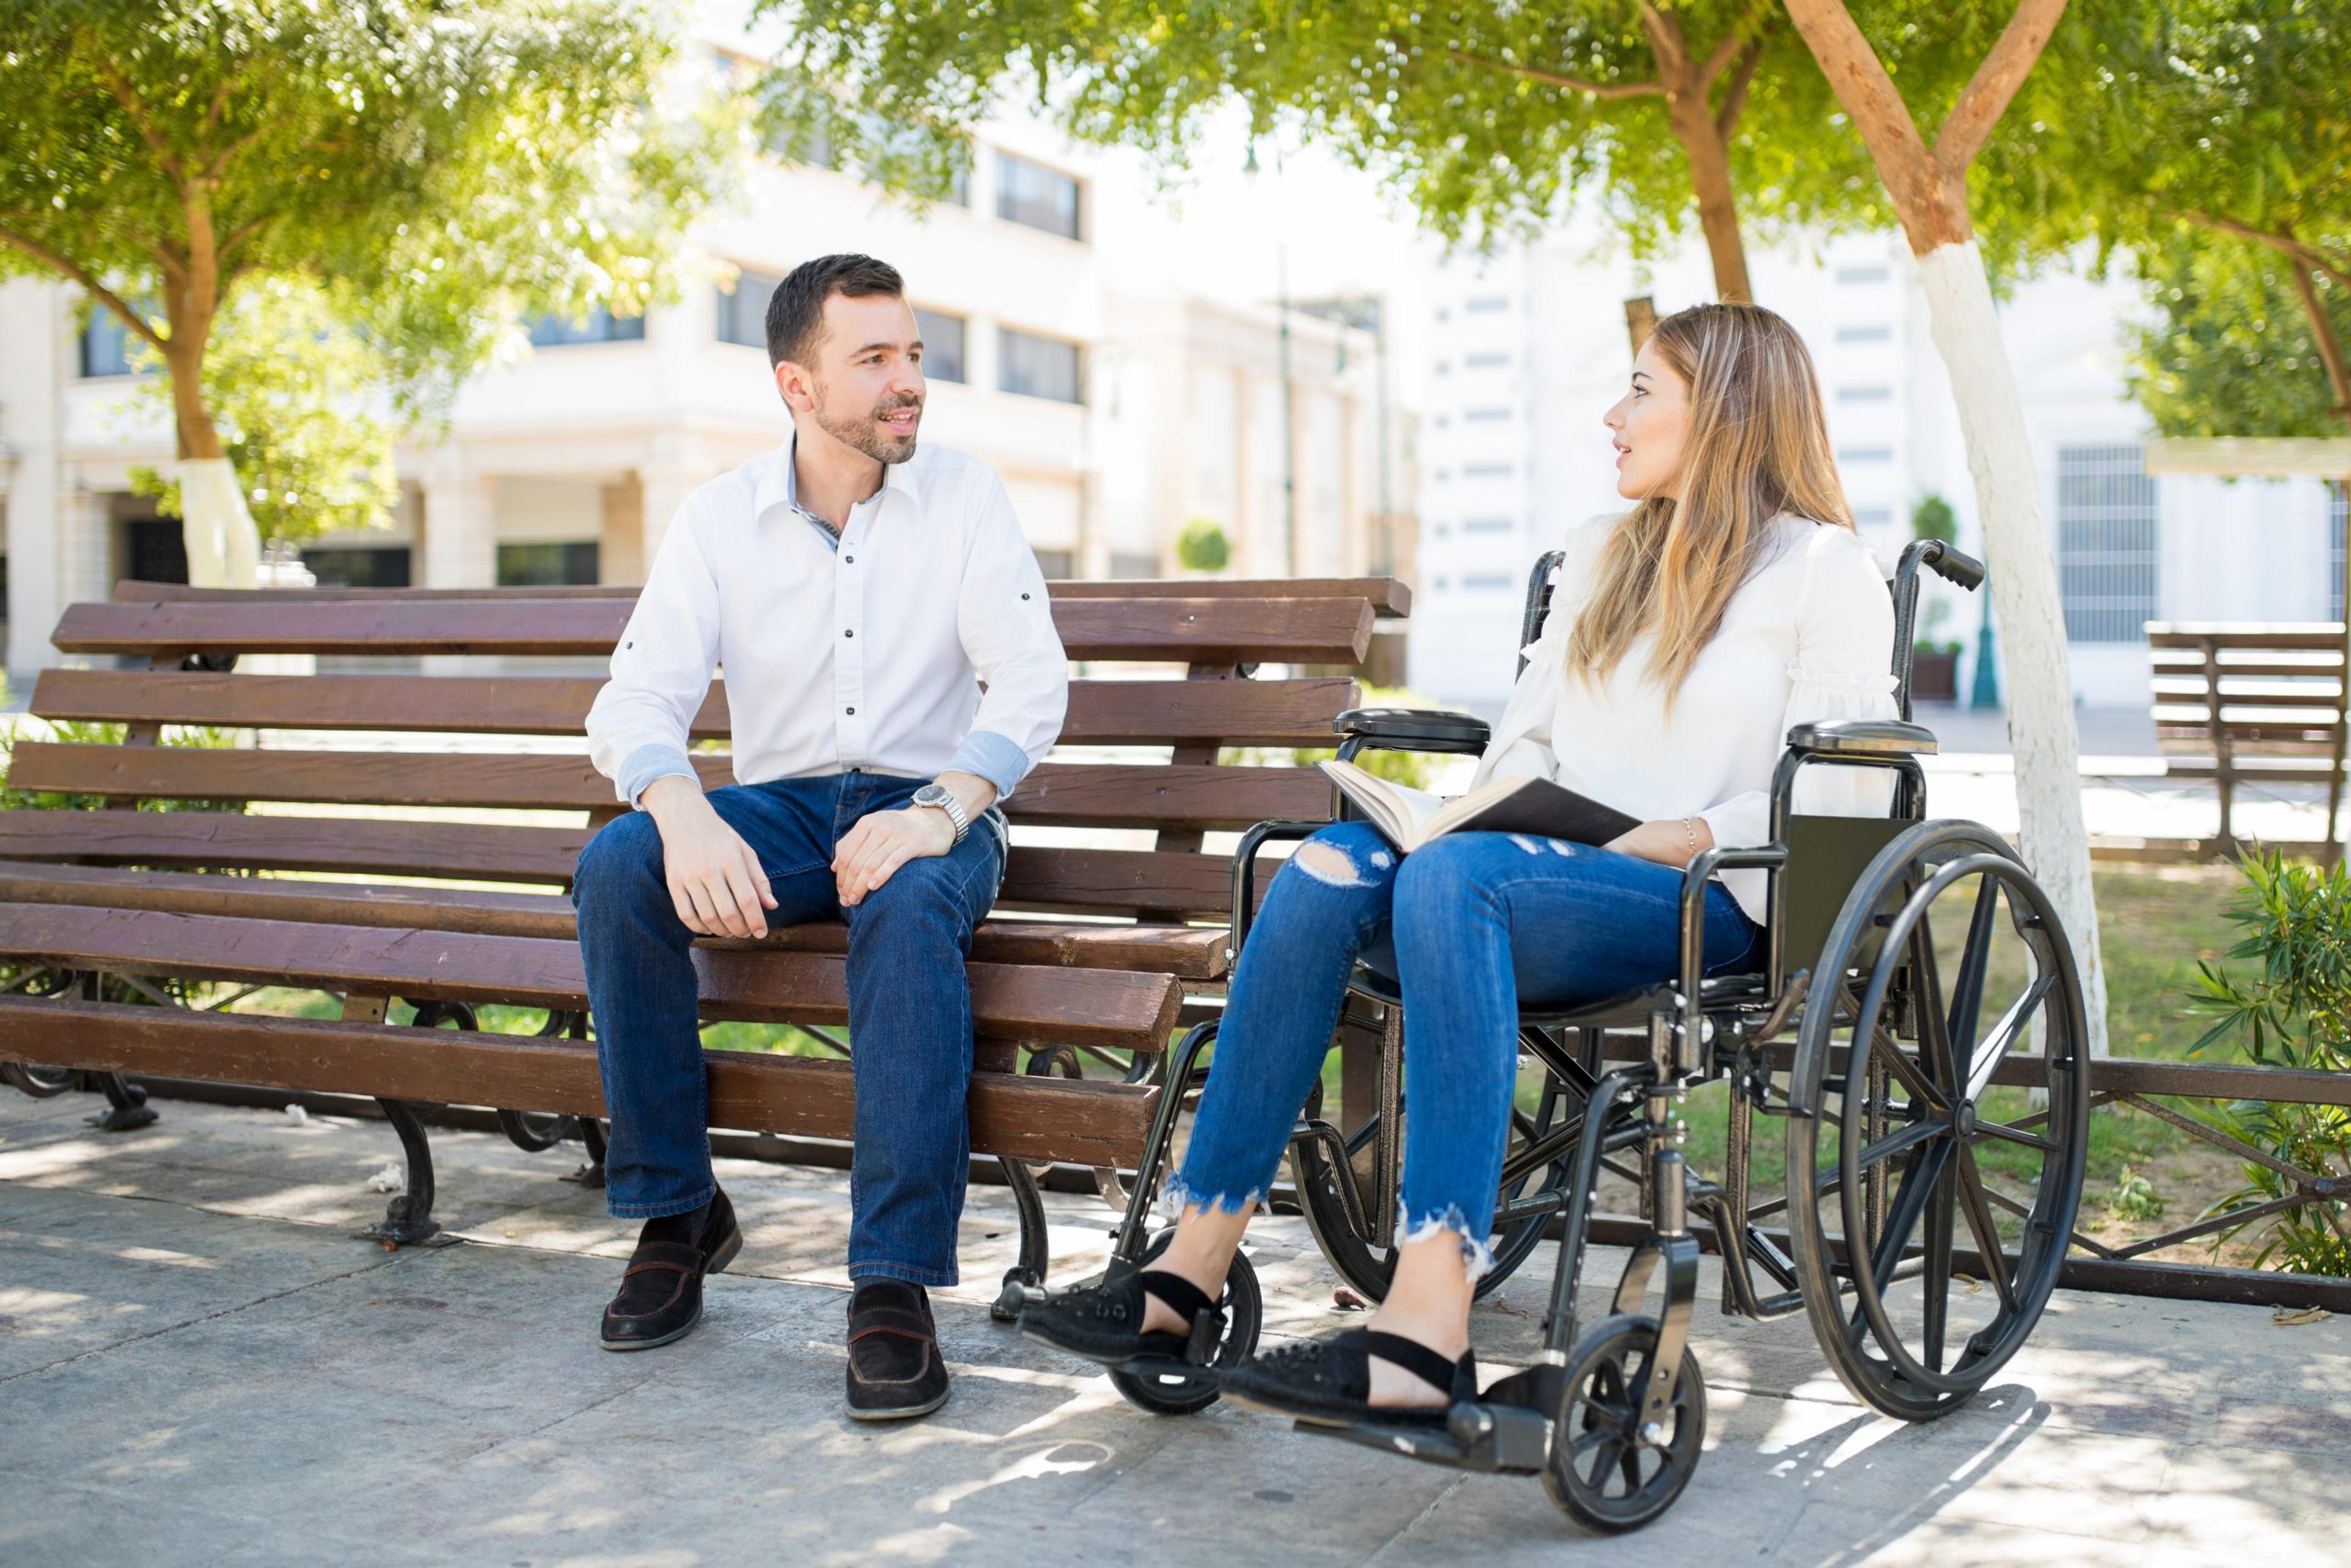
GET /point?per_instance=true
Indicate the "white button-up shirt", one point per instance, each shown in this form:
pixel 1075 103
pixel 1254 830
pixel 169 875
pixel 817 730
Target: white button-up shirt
pixel 867 652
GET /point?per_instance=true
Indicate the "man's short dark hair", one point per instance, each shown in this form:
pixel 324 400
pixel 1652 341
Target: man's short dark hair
pixel 795 310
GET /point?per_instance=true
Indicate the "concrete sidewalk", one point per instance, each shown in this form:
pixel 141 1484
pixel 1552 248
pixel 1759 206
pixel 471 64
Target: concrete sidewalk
pixel 199 1364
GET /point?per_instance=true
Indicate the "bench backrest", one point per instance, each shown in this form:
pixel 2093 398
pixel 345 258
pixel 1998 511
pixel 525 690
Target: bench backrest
pixel 1165 685
pixel 2223 689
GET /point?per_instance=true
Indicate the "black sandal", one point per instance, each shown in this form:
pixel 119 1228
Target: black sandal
pixel 1105 1323
pixel 1329 1382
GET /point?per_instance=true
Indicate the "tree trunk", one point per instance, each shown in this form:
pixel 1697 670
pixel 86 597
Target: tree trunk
pixel 2041 728
pixel 217 527
pixel 1708 152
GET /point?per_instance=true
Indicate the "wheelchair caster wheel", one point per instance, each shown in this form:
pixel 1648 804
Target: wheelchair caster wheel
pixel 1175 1388
pixel 1606 1470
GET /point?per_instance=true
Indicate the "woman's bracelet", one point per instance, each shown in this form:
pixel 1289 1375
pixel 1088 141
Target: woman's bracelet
pixel 1689 831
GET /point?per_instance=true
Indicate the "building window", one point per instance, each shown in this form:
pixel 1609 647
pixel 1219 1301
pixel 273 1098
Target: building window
pixel 1488 581
pixel 2338 516
pixel 373 566
pixel 548 565
pixel 743 308
pixel 942 336
pixel 599 326
pixel 1485 415
pixel 1488 525
pixel 1484 361
pixel 1130 566
pixel 1486 306
pixel 1865 394
pixel 1485 470
pixel 1057 565
pixel 106 344
pixel 1878 273
pixel 159 549
pixel 1872 517
pixel 2109 543
pixel 1444 366
pixel 1037 196
pixel 1849 457
pixel 1864 334
pixel 1038 367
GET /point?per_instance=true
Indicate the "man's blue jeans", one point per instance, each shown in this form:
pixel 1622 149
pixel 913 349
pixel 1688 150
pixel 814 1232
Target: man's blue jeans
pixel 1468 927
pixel 909 1010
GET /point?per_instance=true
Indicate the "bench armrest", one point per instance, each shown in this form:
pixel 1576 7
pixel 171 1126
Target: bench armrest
pixel 1863 738
pixel 1411 729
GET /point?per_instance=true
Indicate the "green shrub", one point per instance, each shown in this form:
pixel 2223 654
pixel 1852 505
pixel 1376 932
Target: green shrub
pixel 1202 547
pixel 1932 518
pixel 1413 768
pixel 2292 1009
pixel 75 732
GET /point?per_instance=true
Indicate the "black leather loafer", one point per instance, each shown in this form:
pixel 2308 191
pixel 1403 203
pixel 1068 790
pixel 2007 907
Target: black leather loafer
pixel 659 1299
pixel 895 1370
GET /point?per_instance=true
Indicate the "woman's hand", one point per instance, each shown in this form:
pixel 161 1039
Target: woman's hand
pixel 1674 842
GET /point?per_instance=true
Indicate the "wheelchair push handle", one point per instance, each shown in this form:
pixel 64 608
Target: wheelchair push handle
pixel 1950 562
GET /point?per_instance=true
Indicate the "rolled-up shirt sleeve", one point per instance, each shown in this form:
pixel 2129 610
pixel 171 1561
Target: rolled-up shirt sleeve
pixel 640 725
pixel 1006 623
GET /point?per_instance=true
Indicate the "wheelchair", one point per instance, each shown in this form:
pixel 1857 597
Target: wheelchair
pixel 1908 960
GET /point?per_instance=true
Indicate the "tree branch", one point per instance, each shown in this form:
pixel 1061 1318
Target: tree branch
pixel 1553 79
pixel 124 95
pixel 246 231
pixel 1734 96
pixel 2330 345
pixel 1748 30
pixel 1987 95
pixel 89 284
pixel 2338 268
pixel 1665 41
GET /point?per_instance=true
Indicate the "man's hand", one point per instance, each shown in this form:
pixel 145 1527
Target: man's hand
pixel 1668 842
pixel 714 878
pixel 870 853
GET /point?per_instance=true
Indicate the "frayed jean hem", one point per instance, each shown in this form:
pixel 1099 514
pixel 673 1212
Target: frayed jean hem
pixel 1176 1196
pixel 1477 1258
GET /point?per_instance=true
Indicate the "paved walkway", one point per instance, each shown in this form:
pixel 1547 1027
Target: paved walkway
pixel 199 1364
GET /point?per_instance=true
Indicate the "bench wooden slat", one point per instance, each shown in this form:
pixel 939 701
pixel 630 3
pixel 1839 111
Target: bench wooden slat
pixel 2175 695
pixel 2312 636
pixel 1187 952
pixel 1012 1115
pixel 1388 595
pixel 1196 631
pixel 1011 1004
pixel 1102 712
pixel 1061 794
pixel 1040 878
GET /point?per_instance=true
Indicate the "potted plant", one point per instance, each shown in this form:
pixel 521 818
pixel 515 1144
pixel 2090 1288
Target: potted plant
pixel 1935 660
pixel 1202 546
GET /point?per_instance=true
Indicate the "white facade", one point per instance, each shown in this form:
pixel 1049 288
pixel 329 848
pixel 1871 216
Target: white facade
pixel 1529 348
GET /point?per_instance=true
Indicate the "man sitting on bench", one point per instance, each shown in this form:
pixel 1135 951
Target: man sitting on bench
pixel 858 595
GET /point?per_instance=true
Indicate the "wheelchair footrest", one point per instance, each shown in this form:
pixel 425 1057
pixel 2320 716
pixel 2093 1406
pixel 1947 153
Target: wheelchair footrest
pixel 1507 1439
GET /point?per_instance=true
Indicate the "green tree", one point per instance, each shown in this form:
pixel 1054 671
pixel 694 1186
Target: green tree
pixel 427 171
pixel 1493 117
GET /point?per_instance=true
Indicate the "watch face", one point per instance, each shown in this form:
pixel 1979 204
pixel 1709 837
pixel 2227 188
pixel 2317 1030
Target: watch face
pixel 931 795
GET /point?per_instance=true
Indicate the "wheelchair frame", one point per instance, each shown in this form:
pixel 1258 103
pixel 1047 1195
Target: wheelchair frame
pixel 1859 884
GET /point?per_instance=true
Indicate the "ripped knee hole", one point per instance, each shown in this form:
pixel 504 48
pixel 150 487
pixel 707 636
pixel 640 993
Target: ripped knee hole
pixel 1327 862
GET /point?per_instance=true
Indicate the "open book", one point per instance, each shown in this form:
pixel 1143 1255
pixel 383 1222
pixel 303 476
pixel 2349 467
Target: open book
pixel 1411 818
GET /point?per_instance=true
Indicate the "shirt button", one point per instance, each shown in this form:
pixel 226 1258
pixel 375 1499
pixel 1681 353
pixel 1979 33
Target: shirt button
pixel 851 559
pixel 853 710
pixel 849 634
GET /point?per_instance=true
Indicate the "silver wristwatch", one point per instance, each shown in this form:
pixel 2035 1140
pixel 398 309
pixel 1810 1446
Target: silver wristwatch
pixel 942 797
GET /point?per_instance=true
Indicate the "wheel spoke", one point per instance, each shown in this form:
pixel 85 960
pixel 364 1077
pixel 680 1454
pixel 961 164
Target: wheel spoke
pixel 1629 1465
pixel 1918 1179
pixel 1903 1068
pixel 1886 1148
pixel 1941 1201
pixel 1968 984
pixel 2012 1135
pixel 1981 1225
pixel 1935 1052
pixel 2006 1033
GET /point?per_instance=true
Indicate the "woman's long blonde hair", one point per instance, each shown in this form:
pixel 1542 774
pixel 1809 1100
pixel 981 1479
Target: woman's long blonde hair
pixel 1757 446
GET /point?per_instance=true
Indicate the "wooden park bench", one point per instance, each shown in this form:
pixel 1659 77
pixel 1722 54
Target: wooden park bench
pixel 1089 956
pixel 2247 702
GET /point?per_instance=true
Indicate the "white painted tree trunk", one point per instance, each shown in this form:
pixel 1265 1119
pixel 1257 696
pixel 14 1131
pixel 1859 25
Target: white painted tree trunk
pixel 223 547
pixel 2041 729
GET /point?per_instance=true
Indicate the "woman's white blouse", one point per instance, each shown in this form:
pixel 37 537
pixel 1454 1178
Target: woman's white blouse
pixel 1809 635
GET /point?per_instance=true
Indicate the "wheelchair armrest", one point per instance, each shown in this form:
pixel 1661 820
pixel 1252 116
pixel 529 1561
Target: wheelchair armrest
pixel 1863 738
pixel 1244 875
pixel 1412 730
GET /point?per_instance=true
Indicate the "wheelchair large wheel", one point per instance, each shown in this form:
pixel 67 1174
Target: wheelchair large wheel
pixel 1366 1267
pixel 1934 1164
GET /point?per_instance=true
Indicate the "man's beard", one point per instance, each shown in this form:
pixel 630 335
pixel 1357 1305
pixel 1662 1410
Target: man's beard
pixel 866 433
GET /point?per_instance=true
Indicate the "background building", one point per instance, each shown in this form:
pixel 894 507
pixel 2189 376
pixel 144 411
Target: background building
pixel 1528 349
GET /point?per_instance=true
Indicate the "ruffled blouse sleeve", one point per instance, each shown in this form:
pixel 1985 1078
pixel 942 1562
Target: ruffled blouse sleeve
pixel 1842 669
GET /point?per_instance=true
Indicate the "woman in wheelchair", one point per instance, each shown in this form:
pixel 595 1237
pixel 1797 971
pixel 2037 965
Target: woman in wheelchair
pixel 1685 638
